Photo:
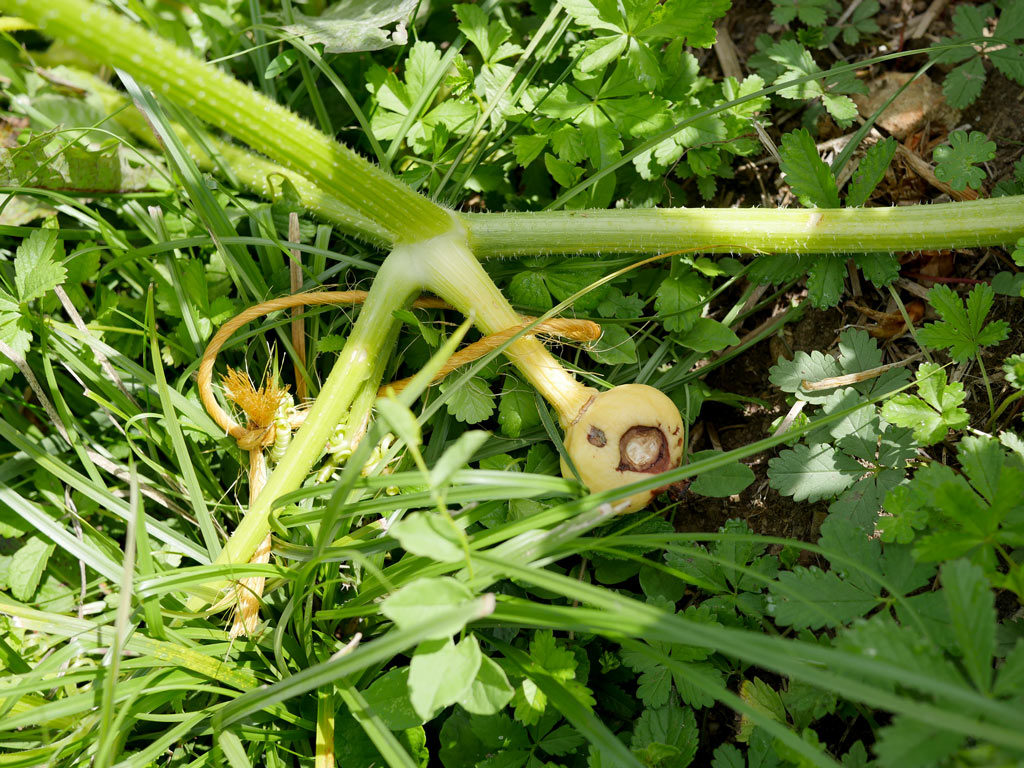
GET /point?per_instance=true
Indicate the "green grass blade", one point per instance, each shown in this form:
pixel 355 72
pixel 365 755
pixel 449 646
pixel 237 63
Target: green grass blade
pixel 381 649
pixel 182 453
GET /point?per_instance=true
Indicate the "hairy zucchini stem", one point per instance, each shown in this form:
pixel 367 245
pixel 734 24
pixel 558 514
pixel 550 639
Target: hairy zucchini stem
pixel 451 271
pixel 217 98
pixel 343 188
pixel 994 221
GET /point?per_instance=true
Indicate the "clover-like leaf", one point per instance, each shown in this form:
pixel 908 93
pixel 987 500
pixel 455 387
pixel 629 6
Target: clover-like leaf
pixel 958 162
pixel 963 330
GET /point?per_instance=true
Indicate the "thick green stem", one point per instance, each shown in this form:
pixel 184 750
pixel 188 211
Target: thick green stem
pixel 255 172
pixel 397 282
pixel 452 272
pixel 220 100
pixel 408 217
pixel 996 221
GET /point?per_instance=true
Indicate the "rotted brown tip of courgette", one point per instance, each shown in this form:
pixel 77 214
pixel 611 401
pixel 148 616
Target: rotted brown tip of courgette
pixel 623 435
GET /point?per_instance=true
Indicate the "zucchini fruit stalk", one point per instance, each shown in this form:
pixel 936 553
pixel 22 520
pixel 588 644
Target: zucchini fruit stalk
pixel 613 438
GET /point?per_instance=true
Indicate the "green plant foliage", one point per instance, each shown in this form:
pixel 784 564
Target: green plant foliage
pixel 50 161
pixel 852 587
pixel 436 592
pixel 348 27
pixel 958 163
pixel 814 184
pixel 964 329
pixel 963 655
pixel 813 13
pixel 37 271
pixel 947 515
pixel 396 97
pixel 810 179
pixel 856 459
pixel 734 572
pixel 932 414
pixel 870 171
pixel 1014 369
pixel 633 31
pixel 796 62
pixel 963 84
pixel 816 14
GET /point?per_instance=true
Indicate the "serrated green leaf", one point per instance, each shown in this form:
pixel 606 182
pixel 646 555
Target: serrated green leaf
pixel 16 333
pixel 758 694
pixel 471 402
pixel 487 34
pixel 37 265
pixel 796 62
pixel 813 13
pixel 910 411
pixel 679 299
pixel 902 645
pixel 527 147
pixel 880 268
pixel 724 481
pixel 330 343
pixel 963 330
pixel 963 85
pixel 958 163
pixel 813 472
pixel 907 743
pixel 825 280
pixel 809 598
pixel 861 22
pixel 811 180
pixel 707 335
pixel 1018 253
pixel 529 290
pixel 932 414
pixel 355 25
pixel 672 727
pixel 789 375
pixel 690 20
pixel 594 14
pixel 1013 366
pixel 973 616
pixel 566 174
pixel 870 172
pixel 842 108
